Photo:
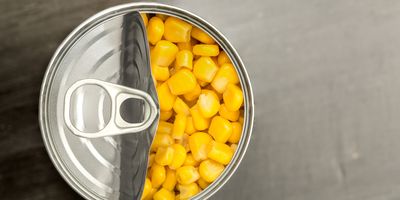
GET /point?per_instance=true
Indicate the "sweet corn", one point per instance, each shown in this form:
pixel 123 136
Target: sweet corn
pixel 184 58
pixel 177 30
pixel 205 69
pixel 203 83
pixel 206 50
pixel 147 188
pixel 202 183
pixel 198 145
pixel 209 170
pixel 190 161
pixel 236 132
pixel 185 46
pixel 180 107
pixel 241 120
pixel 165 115
pixel 155 30
pixel 201 36
pixel 179 126
pixel 219 152
pixel 194 94
pixel 164 194
pixel 220 129
pixel 187 175
pixel 179 156
pixel 200 123
pixel 165 127
pixel 164 156
pixel 223 58
pixel 187 191
pixel 164 53
pixel 190 129
pixel 233 97
pixel 144 18
pixel 158 175
pixel 151 159
pixel 162 17
pixel 162 140
pixel 160 73
pixel 184 142
pixel 183 81
pixel 226 74
pixel 150 195
pixel 234 147
pixel 208 103
pixel 170 180
pixel 229 115
pixel 165 97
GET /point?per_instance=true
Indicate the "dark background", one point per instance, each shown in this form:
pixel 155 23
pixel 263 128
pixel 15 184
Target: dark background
pixel 325 76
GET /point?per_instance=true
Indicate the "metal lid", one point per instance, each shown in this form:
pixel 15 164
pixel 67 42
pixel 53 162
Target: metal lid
pixel 101 107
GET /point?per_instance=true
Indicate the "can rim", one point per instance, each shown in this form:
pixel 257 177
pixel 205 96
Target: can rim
pixel 150 8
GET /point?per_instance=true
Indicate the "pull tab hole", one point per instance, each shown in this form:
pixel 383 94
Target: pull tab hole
pixel 132 110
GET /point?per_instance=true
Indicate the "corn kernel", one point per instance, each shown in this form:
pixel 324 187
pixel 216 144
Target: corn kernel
pixel 180 107
pixel 206 50
pixel 190 129
pixel 187 191
pixel 161 140
pixel 165 115
pixel 241 119
pixel 179 126
pixel 184 58
pixel 219 152
pixel 150 195
pixel 179 156
pixel 164 194
pixel 190 161
pixel 165 97
pixel 155 30
pixel 162 16
pixel 200 123
pixel 164 127
pixel 177 30
pixel 192 95
pixel 205 69
pixel 210 170
pixel 158 175
pixel 223 58
pixel 203 83
pixel 233 147
pixel 170 180
pixel 236 132
pixel 198 145
pixel 208 103
pixel 160 73
pixel 151 159
pixel 229 115
pixel 187 175
pixel 164 53
pixel 182 82
pixel 225 75
pixel 201 36
pixel 164 156
pixel 202 183
pixel 147 188
pixel 185 46
pixel 220 129
pixel 233 97
pixel 144 18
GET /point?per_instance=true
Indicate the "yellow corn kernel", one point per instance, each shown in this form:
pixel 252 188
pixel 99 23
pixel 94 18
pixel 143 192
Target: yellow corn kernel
pixel 170 180
pixel 184 58
pixel 234 147
pixel 192 95
pixel 164 53
pixel 200 123
pixel 241 120
pixel 185 142
pixel 144 18
pixel 226 74
pixel 203 83
pixel 158 175
pixel 147 188
pixel 187 191
pixel 165 115
pixel 208 103
pixel 183 81
pixel 233 97
pixel 185 46
pixel 198 145
pixel 177 30
pixel 205 69
pixel 202 183
pixel 165 97
pixel 155 30
pixel 190 161
pixel 180 107
pixel 219 152
pixel 223 58
pixel 162 16
pixel 236 132
pixel 165 127
pixel 220 129
pixel 151 159
pixel 161 140
pixel 187 175
pixel 201 36
pixel 179 156
pixel 160 73
pixel 164 156
pixel 190 129
pixel 164 194
pixel 229 115
pixel 215 59
pixel 179 126
pixel 150 195
pixel 206 50
pixel 210 170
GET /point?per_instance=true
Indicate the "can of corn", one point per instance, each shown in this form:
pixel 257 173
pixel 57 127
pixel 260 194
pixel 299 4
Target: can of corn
pixel 99 109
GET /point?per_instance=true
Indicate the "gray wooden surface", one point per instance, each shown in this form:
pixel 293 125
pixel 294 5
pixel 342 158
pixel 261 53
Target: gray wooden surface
pixel 326 80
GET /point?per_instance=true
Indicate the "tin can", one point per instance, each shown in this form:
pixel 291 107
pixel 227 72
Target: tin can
pixel 88 165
